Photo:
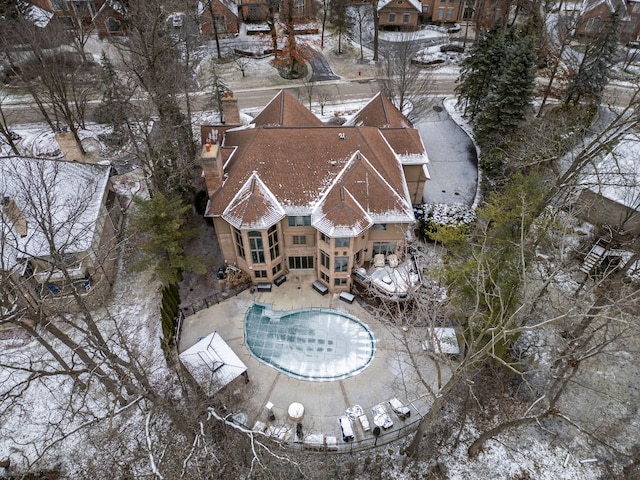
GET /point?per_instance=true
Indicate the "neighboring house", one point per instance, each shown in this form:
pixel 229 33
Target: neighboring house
pixel 221 14
pixel 610 193
pixel 440 11
pixel 107 16
pixel 399 14
pixel 258 10
pixel 593 15
pixel 59 224
pixel 287 193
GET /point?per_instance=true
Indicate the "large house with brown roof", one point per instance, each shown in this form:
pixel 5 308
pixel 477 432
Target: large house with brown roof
pixel 288 193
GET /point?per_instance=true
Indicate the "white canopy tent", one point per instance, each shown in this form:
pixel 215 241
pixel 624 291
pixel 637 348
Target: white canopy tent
pixel 212 363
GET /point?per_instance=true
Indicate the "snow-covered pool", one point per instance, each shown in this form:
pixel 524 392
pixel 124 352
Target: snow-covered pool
pixel 315 344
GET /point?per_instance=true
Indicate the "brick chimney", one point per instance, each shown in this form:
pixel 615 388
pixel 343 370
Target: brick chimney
pixel 230 111
pixel 212 167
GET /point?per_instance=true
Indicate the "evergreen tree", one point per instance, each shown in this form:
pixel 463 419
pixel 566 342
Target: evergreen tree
pixel 511 93
pixel 113 108
pixel 593 74
pixel 162 221
pixel 485 63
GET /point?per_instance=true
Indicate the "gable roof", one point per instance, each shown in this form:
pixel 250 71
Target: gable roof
pixel 380 112
pixel 52 195
pixel 416 4
pixel 285 111
pixel 346 177
pixel 254 206
pixel 589 6
pixel 229 5
pixel 299 180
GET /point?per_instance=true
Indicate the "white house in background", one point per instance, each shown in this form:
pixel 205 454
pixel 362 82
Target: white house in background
pixel 213 364
pixel 59 221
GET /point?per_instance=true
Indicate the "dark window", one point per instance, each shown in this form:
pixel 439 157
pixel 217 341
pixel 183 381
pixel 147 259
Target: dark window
pixel 256 247
pixel 386 248
pixel 324 260
pixel 274 247
pixel 261 273
pixel 339 282
pixel 324 277
pixel 276 269
pixel 300 221
pixel 342 242
pixel 239 244
pixel 301 262
pixel 340 264
pixel 325 239
pixel 392 17
pixel 299 240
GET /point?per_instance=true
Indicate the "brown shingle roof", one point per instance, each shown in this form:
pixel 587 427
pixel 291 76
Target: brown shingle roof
pixel 254 206
pixel 300 165
pixel 345 177
pixel 284 110
pixel 381 113
pixel 340 215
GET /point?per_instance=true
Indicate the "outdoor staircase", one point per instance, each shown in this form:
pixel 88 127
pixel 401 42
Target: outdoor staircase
pixel 593 258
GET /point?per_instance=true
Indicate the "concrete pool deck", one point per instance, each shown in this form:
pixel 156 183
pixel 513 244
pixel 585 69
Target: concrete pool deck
pixel 390 373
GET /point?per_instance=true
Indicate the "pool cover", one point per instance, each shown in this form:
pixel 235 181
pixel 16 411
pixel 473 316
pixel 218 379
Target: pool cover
pixel 309 344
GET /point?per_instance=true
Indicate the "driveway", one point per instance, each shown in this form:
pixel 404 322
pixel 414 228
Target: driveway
pixel 453 163
pixel 320 69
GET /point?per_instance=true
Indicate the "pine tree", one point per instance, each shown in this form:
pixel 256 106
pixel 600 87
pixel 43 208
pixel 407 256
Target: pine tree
pixel 113 108
pixel 511 93
pixel 161 220
pixel 485 63
pixel 592 76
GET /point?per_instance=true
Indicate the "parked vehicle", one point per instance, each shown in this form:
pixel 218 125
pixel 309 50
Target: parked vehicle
pixel 381 418
pixel 399 409
pixel 346 428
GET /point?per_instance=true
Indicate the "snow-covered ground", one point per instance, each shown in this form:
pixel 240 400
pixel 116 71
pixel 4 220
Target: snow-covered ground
pixel 518 454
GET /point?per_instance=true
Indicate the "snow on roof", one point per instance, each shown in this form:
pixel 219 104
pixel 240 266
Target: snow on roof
pixel 617 175
pixel 414 3
pixel 63 197
pixel 212 363
pixel 231 5
pixel 38 16
pixel 345 219
pixel 254 206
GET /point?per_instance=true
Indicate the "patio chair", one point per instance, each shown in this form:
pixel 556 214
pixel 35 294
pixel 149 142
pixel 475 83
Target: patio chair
pixel 378 260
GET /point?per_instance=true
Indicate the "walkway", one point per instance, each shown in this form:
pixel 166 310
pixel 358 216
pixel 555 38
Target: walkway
pixel 389 374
